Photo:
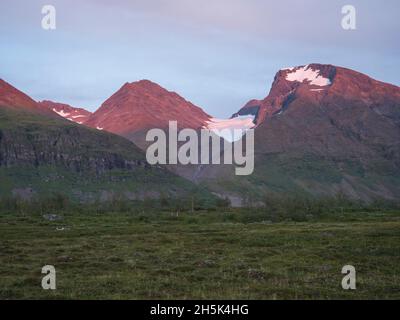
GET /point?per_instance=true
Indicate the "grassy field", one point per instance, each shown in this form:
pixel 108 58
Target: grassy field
pixel 223 254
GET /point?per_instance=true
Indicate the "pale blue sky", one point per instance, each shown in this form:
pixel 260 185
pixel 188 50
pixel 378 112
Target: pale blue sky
pixel 216 53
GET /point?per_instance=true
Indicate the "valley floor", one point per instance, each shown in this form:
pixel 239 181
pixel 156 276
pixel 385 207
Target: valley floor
pixel 206 255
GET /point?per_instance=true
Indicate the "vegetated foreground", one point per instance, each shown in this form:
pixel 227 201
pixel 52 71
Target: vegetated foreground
pixel 223 254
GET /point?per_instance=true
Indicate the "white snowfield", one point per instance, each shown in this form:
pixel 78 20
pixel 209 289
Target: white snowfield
pixel 243 123
pixel 306 73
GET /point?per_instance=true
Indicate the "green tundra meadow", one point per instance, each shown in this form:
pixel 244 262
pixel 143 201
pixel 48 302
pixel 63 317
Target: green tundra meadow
pixel 287 249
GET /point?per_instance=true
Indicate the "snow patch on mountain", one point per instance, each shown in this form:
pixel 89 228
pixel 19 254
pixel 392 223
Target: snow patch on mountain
pixel 231 129
pixel 61 113
pixel 306 73
pixel 75 115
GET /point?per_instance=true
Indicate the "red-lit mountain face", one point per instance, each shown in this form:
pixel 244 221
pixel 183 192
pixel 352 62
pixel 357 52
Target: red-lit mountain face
pixel 143 105
pixel 323 130
pixel 12 98
pixel 328 110
pixel 321 84
pixel 78 115
pixel 41 153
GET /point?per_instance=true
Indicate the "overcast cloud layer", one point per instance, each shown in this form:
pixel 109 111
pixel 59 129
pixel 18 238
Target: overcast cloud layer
pixel 218 54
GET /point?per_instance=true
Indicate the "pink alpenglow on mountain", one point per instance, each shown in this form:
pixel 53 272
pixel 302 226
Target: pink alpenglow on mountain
pixel 321 84
pixel 11 97
pixel 73 114
pixel 324 130
pixel 143 105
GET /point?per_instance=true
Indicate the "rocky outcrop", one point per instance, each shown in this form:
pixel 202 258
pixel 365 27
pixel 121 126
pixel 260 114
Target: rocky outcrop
pixel 73 148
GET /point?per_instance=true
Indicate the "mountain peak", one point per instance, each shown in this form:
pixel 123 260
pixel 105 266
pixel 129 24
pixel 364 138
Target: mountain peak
pixel 315 82
pixel 144 105
pixel 147 88
pixel 144 83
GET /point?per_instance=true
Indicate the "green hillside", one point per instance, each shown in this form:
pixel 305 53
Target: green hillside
pixel 41 155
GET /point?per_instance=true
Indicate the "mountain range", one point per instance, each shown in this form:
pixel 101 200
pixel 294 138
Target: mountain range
pixel 42 153
pixel 321 130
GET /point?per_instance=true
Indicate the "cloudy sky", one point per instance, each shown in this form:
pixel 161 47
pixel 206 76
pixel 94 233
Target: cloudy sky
pixel 216 53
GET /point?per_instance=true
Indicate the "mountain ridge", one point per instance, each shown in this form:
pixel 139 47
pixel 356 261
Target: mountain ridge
pixel 144 105
pixel 282 89
pixel 43 153
pixel 320 131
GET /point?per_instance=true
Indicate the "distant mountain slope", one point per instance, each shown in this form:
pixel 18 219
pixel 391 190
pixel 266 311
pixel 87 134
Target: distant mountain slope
pixel 350 116
pixel 12 98
pixel 316 81
pixel 321 130
pixel 41 154
pixel 143 105
pixel 140 106
pixel 78 115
